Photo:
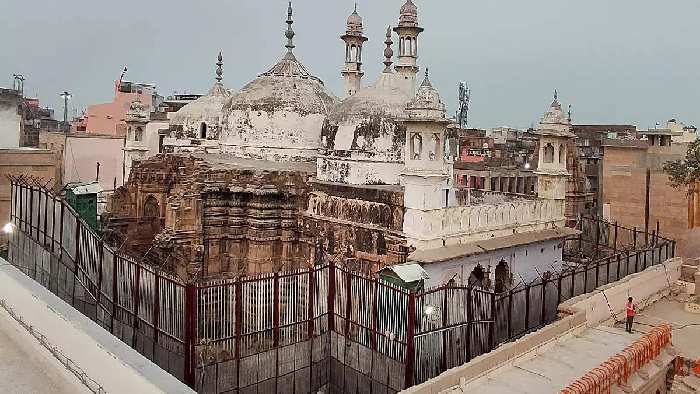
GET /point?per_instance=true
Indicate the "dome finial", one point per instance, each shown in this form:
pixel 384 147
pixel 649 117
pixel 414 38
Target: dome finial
pixel 388 52
pixel 290 33
pixel 219 69
pixel 355 7
pixel 556 95
pixel 426 81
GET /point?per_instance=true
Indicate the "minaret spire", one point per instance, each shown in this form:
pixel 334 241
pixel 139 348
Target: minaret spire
pixel 388 52
pixel 219 68
pixel 290 32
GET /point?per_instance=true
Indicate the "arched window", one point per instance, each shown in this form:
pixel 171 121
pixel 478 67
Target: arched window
pixel 548 154
pixel 562 153
pixel 502 276
pixel 138 134
pixel 203 130
pixel 151 208
pixel 353 53
pixel 435 151
pixel 416 146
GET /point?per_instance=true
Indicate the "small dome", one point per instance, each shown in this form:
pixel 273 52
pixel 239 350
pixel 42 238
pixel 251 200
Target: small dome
pixel 206 109
pixel 555 122
pixel 427 103
pixel 409 13
pixel 354 24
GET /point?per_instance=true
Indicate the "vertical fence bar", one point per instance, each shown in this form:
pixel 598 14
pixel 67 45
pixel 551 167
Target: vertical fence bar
pixel 510 314
pixel 373 334
pixel 527 308
pixel 410 339
pixel 348 304
pixel 634 237
pixel 276 311
pixel 190 334
pixel 470 319
pixel 115 290
pixel 331 296
pixel 100 251
pixel 238 327
pixel 137 299
pixel 615 240
pixel 77 257
pixel 156 313
pixel 494 316
pixel 543 319
pixel 46 214
pixel 444 332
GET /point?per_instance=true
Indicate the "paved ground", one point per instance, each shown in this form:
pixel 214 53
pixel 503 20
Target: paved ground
pixel 554 367
pixel 28 367
pixel 686 326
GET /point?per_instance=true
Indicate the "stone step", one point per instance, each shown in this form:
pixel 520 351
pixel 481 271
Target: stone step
pixel 693 262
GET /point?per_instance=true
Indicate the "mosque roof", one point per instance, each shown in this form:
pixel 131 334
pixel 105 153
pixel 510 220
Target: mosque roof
pixel 207 107
pixel 287 85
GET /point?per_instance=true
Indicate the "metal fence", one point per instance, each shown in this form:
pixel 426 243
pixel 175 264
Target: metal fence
pixel 325 327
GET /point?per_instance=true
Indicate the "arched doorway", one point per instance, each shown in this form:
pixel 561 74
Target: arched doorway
pixel 151 208
pixel 203 130
pixel 502 276
pixel 478 277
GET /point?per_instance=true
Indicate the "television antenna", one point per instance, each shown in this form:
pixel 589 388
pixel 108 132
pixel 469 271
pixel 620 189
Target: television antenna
pixel 464 100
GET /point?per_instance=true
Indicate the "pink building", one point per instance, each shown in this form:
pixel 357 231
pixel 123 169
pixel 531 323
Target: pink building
pixel 110 118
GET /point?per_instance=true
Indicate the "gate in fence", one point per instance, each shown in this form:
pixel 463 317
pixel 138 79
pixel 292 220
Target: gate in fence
pixel 324 327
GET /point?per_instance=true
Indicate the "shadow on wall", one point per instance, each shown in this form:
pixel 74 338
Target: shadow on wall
pixel 689 244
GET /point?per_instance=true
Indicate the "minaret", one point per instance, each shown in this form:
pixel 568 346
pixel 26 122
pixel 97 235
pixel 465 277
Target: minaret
pixel 354 39
pixel 408 31
pixel 426 173
pixel 554 131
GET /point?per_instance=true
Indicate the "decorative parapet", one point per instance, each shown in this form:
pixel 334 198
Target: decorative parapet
pixel 462 221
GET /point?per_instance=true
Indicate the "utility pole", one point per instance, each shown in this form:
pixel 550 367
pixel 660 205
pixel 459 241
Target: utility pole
pixel 646 207
pixel 65 96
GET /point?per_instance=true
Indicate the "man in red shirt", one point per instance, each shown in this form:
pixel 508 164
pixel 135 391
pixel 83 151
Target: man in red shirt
pixel 630 315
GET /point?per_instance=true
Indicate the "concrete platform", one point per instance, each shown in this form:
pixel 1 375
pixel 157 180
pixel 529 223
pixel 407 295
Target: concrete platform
pixel 28 367
pixel 555 366
pixel 686 325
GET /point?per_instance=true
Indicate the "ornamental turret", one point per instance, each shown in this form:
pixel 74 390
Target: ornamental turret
pixel 408 31
pixel 354 40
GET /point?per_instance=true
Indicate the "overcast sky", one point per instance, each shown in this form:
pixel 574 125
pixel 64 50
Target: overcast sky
pixel 624 61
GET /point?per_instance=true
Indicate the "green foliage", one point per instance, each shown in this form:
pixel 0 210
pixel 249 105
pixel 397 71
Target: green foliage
pixel 687 171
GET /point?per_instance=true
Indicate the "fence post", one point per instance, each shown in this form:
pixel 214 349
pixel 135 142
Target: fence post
pixel 276 311
pixel 492 331
pixel 618 266
pixel 597 272
pixel 597 237
pixel 558 289
pixel 615 239
pixel 470 319
pixel 410 335
pixel 544 303
pixel 156 313
pixel 580 235
pixel 331 296
pixel 61 248
pixel 635 237
pixel 348 304
pixel 527 308
pixel 77 258
pixel 444 333
pixel 310 315
pixel 510 314
pixel 191 334
pixel 238 327
pixel 100 251
pixel 115 290
pixel 373 334
pixel 137 300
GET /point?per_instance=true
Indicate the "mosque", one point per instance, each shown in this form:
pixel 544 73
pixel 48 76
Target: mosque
pixel 283 174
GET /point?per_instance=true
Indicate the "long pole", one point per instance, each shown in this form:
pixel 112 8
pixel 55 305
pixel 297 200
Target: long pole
pixel 646 208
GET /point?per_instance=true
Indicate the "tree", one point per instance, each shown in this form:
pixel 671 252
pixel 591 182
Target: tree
pixel 685 172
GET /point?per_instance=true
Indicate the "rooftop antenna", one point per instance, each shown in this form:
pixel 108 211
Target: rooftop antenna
pixel 464 100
